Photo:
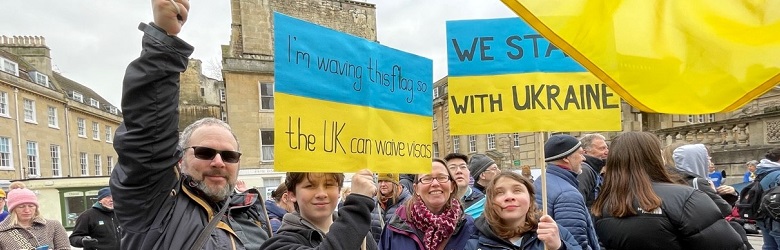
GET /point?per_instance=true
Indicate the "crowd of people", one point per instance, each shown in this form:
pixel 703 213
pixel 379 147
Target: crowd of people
pixel 180 191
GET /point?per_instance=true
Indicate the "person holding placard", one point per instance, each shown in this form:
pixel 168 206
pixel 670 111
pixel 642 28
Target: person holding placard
pixel 433 218
pixel 565 204
pixel 512 220
pixel 314 225
pixel 641 207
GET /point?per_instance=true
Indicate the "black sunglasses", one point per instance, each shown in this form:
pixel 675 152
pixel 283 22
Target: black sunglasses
pixel 206 153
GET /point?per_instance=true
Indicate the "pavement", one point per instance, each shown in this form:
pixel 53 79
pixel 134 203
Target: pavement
pixel 756 241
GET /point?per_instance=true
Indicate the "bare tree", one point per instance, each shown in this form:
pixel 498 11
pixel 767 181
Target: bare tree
pixel 213 68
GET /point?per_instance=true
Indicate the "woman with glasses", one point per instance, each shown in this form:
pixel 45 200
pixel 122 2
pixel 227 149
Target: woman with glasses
pixel 433 218
pixel 25 228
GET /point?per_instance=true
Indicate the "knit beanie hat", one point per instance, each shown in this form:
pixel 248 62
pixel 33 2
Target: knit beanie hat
pixel 559 146
pixel 388 177
pixel 103 193
pixel 21 196
pixel 478 164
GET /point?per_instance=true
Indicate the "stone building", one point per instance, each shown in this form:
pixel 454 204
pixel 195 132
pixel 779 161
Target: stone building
pixel 52 127
pixel 248 66
pixel 200 96
pixel 734 137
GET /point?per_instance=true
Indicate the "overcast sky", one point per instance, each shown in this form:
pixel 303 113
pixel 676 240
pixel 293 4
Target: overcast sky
pixel 92 42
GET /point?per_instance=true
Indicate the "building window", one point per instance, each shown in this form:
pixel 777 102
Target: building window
pixel 456 144
pixel 9 66
pixel 110 164
pixel 701 119
pixel 53 123
pixel 516 140
pixel 472 143
pixel 5 152
pixel 113 110
pixel 33 169
pixel 76 201
pixel 78 97
pixel 82 130
pixel 94 103
pixel 224 116
pixel 267 148
pixel 435 121
pixel 29 110
pixel 40 78
pixel 98 168
pixel 4 104
pixel 109 136
pixel 267 96
pixel 95 131
pixel 691 119
pixel 491 141
pixel 84 164
pixel 55 160
pixel 711 118
pixel 435 92
pixel 436 150
pixel 202 91
pixel 222 95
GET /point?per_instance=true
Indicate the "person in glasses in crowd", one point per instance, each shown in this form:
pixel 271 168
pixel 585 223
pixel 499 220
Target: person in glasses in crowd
pixel 473 200
pixel 166 187
pixel 433 218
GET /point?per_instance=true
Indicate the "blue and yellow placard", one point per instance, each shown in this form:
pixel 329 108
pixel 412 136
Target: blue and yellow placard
pixel 504 77
pixel 344 103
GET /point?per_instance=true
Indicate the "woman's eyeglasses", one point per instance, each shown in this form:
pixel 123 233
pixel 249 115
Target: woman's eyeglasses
pixel 206 153
pixel 429 179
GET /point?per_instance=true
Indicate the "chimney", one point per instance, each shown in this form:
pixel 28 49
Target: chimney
pixel 32 49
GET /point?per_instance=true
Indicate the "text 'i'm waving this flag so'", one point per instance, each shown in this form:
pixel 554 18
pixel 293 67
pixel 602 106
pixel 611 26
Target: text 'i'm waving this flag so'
pixel 343 103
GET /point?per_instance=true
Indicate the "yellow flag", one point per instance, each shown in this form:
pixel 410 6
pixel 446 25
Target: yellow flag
pixel 677 57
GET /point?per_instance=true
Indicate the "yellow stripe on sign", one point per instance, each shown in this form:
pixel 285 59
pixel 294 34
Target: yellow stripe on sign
pixel 532 102
pixel 322 136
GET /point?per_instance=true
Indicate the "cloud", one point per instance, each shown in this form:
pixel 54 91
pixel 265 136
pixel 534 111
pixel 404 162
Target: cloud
pixel 92 42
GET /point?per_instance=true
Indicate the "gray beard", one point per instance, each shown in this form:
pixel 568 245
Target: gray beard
pixel 215 195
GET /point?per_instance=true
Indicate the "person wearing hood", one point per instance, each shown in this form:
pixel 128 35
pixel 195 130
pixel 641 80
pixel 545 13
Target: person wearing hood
pixel 314 225
pixel 96 228
pixel 596 150
pixel 512 220
pixel 278 206
pixel 691 163
pixel 770 229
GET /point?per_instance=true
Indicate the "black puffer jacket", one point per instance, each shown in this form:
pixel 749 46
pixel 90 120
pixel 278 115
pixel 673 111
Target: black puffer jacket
pixel 157 207
pixel 688 219
pixel 97 222
pixel 589 179
pixel 353 220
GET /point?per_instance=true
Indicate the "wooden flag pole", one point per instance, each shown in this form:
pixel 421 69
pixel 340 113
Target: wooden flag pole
pixel 540 159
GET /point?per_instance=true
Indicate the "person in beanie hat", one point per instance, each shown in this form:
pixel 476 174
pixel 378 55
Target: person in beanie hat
pixel 25 228
pixel 482 169
pixel 391 194
pixel 473 200
pixel 565 203
pixel 3 213
pixel 97 227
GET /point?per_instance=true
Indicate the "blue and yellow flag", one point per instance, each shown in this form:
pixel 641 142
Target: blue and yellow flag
pixel 681 57
pixel 344 103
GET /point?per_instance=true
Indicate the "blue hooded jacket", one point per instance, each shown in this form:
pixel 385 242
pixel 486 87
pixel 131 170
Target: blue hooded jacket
pixel 566 205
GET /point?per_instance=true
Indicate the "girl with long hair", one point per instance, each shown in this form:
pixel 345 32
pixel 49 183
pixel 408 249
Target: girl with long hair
pixel 511 219
pixel 640 207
